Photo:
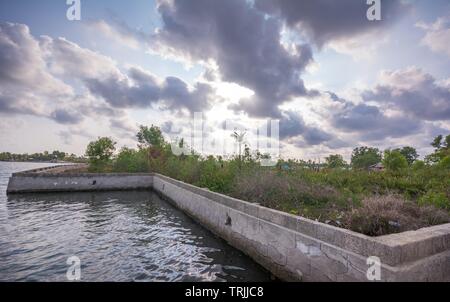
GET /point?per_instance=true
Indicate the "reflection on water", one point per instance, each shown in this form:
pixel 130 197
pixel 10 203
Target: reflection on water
pixel 118 236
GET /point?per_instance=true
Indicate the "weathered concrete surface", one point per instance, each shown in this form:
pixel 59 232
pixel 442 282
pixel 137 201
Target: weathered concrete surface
pixel 52 180
pixel 291 247
pixel 294 248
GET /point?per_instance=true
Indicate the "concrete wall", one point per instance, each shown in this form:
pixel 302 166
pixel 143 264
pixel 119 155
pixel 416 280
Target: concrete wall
pixel 294 248
pixel 291 247
pixel 48 180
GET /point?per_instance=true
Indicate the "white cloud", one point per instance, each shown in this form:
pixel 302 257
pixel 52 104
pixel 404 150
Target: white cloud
pixel 437 36
pixel 363 47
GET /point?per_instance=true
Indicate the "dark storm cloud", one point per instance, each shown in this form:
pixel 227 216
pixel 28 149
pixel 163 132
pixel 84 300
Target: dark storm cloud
pixel 141 89
pixel 315 136
pixel 413 92
pixel 121 93
pixel 64 116
pixel 327 20
pixel 244 40
pixel 293 125
pixel 14 104
pixel 171 128
pixel 175 94
pixel 245 45
pixel 369 123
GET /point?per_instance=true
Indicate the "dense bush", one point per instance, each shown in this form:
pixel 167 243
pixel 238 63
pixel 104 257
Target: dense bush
pixel 394 161
pixel 130 160
pixel 445 163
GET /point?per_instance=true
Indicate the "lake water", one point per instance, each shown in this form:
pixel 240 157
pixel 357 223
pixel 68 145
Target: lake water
pixel 117 236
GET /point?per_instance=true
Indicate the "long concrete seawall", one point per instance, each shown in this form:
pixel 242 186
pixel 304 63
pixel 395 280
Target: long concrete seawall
pixel 53 180
pixel 291 247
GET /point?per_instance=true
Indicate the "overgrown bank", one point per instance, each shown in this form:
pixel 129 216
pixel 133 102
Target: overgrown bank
pixel 407 195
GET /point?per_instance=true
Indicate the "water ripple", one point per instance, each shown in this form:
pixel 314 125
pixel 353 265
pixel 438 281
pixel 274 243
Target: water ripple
pixel 118 236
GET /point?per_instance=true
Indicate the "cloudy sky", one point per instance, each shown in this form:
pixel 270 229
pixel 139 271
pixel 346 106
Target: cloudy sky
pixel 333 79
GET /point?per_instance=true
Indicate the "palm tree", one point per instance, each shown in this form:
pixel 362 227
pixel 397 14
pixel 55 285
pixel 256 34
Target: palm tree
pixel 240 139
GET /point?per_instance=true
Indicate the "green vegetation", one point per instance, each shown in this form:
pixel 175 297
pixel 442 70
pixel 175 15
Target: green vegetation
pixel 409 153
pixel 442 150
pixel 55 156
pixel 364 157
pixel 335 161
pixel 407 194
pixel 100 153
pixel 394 161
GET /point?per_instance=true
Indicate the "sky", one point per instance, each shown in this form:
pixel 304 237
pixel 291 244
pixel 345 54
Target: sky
pixel 332 79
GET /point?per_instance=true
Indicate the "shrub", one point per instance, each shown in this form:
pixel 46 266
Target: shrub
pixel 215 176
pixel 380 215
pixel 394 161
pixel 130 160
pixel 445 163
pixel 436 199
pixel 418 165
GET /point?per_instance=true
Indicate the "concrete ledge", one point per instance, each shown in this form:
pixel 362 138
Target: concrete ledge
pixel 291 247
pixel 37 181
pixel 53 169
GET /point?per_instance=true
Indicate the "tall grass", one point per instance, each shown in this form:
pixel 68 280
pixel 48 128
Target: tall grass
pixel 359 200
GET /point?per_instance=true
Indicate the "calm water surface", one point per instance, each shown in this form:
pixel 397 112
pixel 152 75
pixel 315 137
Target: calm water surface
pixel 118 236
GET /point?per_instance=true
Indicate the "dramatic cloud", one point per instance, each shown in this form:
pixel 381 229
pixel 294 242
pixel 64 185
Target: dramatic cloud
pixel 28 74
pixel 372 124
pixel 69 59
pixel 125 92
pixel 140 89
pixel 244 44
pixel 326 20
pixel 32 74
pixel 437 36
pixel 24 78
pixel 243 39
pixel 250 58
pixel 63 116
pixel 413 92
pixel 292 125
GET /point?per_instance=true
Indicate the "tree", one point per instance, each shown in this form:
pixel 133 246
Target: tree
pixel 409 153
pixel 100 152
pixel 447 142
pixel 150 137
pixel 437 142
pixel 240 138
pixel 441 149
pixel 394 161
pixel 335 161
pixel 364 157
pixel 57 155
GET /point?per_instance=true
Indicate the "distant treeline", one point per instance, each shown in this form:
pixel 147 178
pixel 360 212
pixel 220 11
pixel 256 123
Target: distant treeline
pixel 55 156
